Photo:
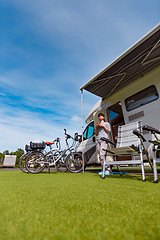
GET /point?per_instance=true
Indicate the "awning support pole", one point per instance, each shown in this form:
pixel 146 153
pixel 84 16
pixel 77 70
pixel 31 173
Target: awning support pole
pixel 82 127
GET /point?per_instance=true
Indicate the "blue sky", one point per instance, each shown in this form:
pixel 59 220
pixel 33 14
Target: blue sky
pixel 49 49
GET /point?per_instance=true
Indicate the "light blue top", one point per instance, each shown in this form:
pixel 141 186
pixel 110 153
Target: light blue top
pixel 102 132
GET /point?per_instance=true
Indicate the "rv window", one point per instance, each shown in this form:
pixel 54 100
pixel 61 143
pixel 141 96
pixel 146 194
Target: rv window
pixel 89 131
pixel 112 115
pixel 85 134
pixel 141 98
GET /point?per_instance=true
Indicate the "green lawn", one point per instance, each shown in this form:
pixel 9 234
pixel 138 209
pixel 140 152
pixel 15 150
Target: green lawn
pixel 76 206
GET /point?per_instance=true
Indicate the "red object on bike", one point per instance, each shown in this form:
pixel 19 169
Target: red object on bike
pixel 49 143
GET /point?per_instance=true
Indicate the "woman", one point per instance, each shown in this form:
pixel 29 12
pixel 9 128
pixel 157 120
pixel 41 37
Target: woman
pixel 102 130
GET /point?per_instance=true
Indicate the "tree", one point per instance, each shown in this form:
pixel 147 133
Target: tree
pixel 19 153
pixel 6 152
pixel 1 157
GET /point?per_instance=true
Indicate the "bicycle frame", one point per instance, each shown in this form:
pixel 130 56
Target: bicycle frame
pixel 61 155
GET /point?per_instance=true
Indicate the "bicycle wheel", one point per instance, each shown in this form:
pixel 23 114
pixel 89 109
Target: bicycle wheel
pixel 74 162
pixel 61 165
pixel 35 162
pixel 22 163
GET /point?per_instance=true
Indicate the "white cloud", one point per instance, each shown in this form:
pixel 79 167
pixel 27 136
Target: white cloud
pixel 76 119
pixel 2 94
pixel 20 127
pixel 23 127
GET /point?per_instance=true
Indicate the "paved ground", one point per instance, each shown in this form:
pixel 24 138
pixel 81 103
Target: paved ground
pixel 9 169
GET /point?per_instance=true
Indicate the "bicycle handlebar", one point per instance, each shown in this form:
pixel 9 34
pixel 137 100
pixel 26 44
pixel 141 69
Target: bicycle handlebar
pixel 67 135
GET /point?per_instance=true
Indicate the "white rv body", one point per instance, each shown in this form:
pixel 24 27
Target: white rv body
pixel 149 113
pixel 136 100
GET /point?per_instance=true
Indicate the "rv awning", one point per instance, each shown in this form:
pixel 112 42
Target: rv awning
pixel 135 62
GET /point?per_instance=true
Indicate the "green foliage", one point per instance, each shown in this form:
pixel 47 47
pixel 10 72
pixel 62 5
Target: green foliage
pixel 69 206
pixel 1 155
pixel 6 152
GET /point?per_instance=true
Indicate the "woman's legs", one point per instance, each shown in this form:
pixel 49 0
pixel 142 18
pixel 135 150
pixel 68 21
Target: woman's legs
pixel 100 145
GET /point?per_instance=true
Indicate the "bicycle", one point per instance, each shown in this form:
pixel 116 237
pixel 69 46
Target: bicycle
pixel 74 162
pixel 23 158
pixel 52 157
pixel 31 149
pixel 36 161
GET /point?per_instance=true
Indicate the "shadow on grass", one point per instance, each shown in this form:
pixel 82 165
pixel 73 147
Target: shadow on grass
pixel 128 177
pixel 54 172
pixel 43 172
pixel 95 174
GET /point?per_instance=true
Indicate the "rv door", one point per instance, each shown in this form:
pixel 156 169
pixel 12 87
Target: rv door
pixel 115 116
pixel 89 144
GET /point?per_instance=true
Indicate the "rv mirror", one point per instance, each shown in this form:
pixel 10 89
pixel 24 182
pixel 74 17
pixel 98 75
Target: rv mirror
pixel 80 138
pixel 76 136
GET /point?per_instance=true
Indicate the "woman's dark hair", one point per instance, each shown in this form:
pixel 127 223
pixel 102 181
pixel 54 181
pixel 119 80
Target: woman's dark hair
pixel 101 114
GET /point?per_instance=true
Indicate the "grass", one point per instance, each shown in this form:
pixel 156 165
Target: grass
pixel 76 206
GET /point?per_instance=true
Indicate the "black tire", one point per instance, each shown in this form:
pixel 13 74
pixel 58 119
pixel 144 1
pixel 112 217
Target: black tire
pixel 74 162
pixel 35 162
pixel 61 165
pixel 22 163
pixel 52 157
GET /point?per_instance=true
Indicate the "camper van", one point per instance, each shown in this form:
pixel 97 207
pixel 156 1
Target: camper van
pixel 130 91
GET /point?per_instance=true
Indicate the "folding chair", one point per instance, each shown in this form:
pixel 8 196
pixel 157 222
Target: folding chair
pixel 155 148
pixel 129 143
pixel 9 161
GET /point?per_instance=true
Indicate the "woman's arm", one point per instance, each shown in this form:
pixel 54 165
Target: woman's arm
pixel 96 129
